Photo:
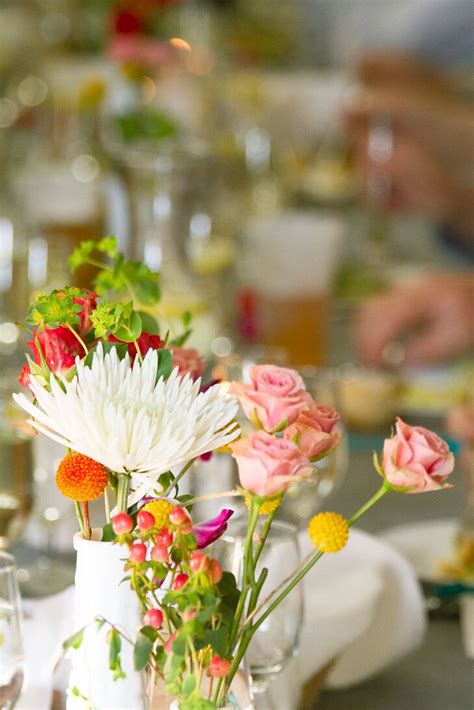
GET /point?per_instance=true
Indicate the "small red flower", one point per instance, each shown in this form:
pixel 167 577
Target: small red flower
pixel 159 553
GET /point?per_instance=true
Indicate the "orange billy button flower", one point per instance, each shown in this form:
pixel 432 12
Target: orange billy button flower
pixel 328 532
pixel 80 478
pixel 160 508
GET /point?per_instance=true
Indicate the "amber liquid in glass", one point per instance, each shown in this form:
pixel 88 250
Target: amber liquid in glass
pixel 297 324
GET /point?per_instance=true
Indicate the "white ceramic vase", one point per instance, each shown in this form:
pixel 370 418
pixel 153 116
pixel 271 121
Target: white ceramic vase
pixel 99 592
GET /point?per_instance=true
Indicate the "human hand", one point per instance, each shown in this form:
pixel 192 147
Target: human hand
pixel 433 319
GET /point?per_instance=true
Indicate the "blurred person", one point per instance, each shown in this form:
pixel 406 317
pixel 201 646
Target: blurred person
pixel 432 319
pixel 427 162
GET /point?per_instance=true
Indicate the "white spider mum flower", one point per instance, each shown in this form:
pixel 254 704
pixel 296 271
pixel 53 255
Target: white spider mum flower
pixel 124 418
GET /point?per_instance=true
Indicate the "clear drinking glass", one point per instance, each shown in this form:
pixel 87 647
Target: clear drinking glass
pixel 277 639
pixel 11 647
pixel 16 474
pixel 304 499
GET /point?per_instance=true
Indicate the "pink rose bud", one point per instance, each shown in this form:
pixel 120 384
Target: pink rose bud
pixel 273 399
pixel 267 465
pixel 189 615
pixel 310 434
pixel 153 618
pixel 145 520
pixel 122 523
pixel 138 552
pixel 416 459
pixel 188 361
pixel 218 667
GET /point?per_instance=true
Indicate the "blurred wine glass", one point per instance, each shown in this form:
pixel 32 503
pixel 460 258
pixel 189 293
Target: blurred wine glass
pixel 277 639
pixel 305 498
pixel 11 647
pixel 16 474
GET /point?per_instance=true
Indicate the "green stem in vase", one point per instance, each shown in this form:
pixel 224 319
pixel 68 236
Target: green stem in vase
pixel 176 480
pixel 79 517
pixel 123 491
pixel 385 488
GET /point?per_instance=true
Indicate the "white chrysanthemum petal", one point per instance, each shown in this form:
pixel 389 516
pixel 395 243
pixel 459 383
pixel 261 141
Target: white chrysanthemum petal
pixel 124 418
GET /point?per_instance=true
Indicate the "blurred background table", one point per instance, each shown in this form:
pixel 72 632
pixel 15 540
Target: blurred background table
pixel 438 675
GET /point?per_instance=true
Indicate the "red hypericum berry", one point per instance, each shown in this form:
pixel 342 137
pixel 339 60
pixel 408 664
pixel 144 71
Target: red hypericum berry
pixel 159 553
pixel 164 537
pixel 178 516
pixel 179 582
pixel 168 647
pixel 138 552
pixel 122 523
pixel 186 529
pixel 199 562
pixel 215 571
pixel 145 520
pixel 218 667
pixel 153 618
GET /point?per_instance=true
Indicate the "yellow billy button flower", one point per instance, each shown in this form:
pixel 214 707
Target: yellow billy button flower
pixel 80 478
pixel 160 509
pixel 267 507
pixel 328 532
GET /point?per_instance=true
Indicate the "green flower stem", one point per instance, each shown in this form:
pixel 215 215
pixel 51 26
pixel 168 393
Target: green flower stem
pixel 139 352
pixel 264 535
pixel 79 517
pixel 122 493
pixel 107 504
pixel 78 338
pixel 178 478
pixel 385 488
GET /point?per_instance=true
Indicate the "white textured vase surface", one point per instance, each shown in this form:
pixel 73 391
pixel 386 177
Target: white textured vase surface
pixel 99 571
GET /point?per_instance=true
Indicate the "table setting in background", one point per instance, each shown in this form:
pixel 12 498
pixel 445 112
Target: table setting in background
pixel 210 483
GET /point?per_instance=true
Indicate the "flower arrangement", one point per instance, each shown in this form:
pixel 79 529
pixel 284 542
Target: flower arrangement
pixel 128 403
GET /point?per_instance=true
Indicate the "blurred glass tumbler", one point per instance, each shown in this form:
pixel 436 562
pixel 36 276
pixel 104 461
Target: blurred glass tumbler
pixel 289 263
pixel 11 647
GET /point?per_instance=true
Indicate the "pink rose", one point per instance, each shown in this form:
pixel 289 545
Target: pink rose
pixel 417 459
pixel 314 432
pixel 274 398
pixel 188 361
pixel 268 465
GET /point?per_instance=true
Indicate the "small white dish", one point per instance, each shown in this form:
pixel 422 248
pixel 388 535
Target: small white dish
pixel 426 545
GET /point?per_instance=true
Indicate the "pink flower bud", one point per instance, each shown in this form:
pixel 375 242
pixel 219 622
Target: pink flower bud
pixel 122 523
pixel 145 520
pixel 215 571
pixel 218 667
pixel 179 582
pixel 159 553
pixel 138 552
pixel 153 618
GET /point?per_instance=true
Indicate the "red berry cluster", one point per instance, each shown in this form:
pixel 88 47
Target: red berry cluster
pixel 168 556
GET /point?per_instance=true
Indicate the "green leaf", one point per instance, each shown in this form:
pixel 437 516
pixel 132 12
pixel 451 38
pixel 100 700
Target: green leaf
pixel 81 255
pixel 149 324
pixel 74 641
pixel 230 597
pixel 186 318
pixel 108 245
pixel 217 639
pixel 180 340
pixel 165 363
pixel 142 649
pixel 115 646
pixel 108 534
pixel 165 480
pixel 189 685
pixel 131 330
